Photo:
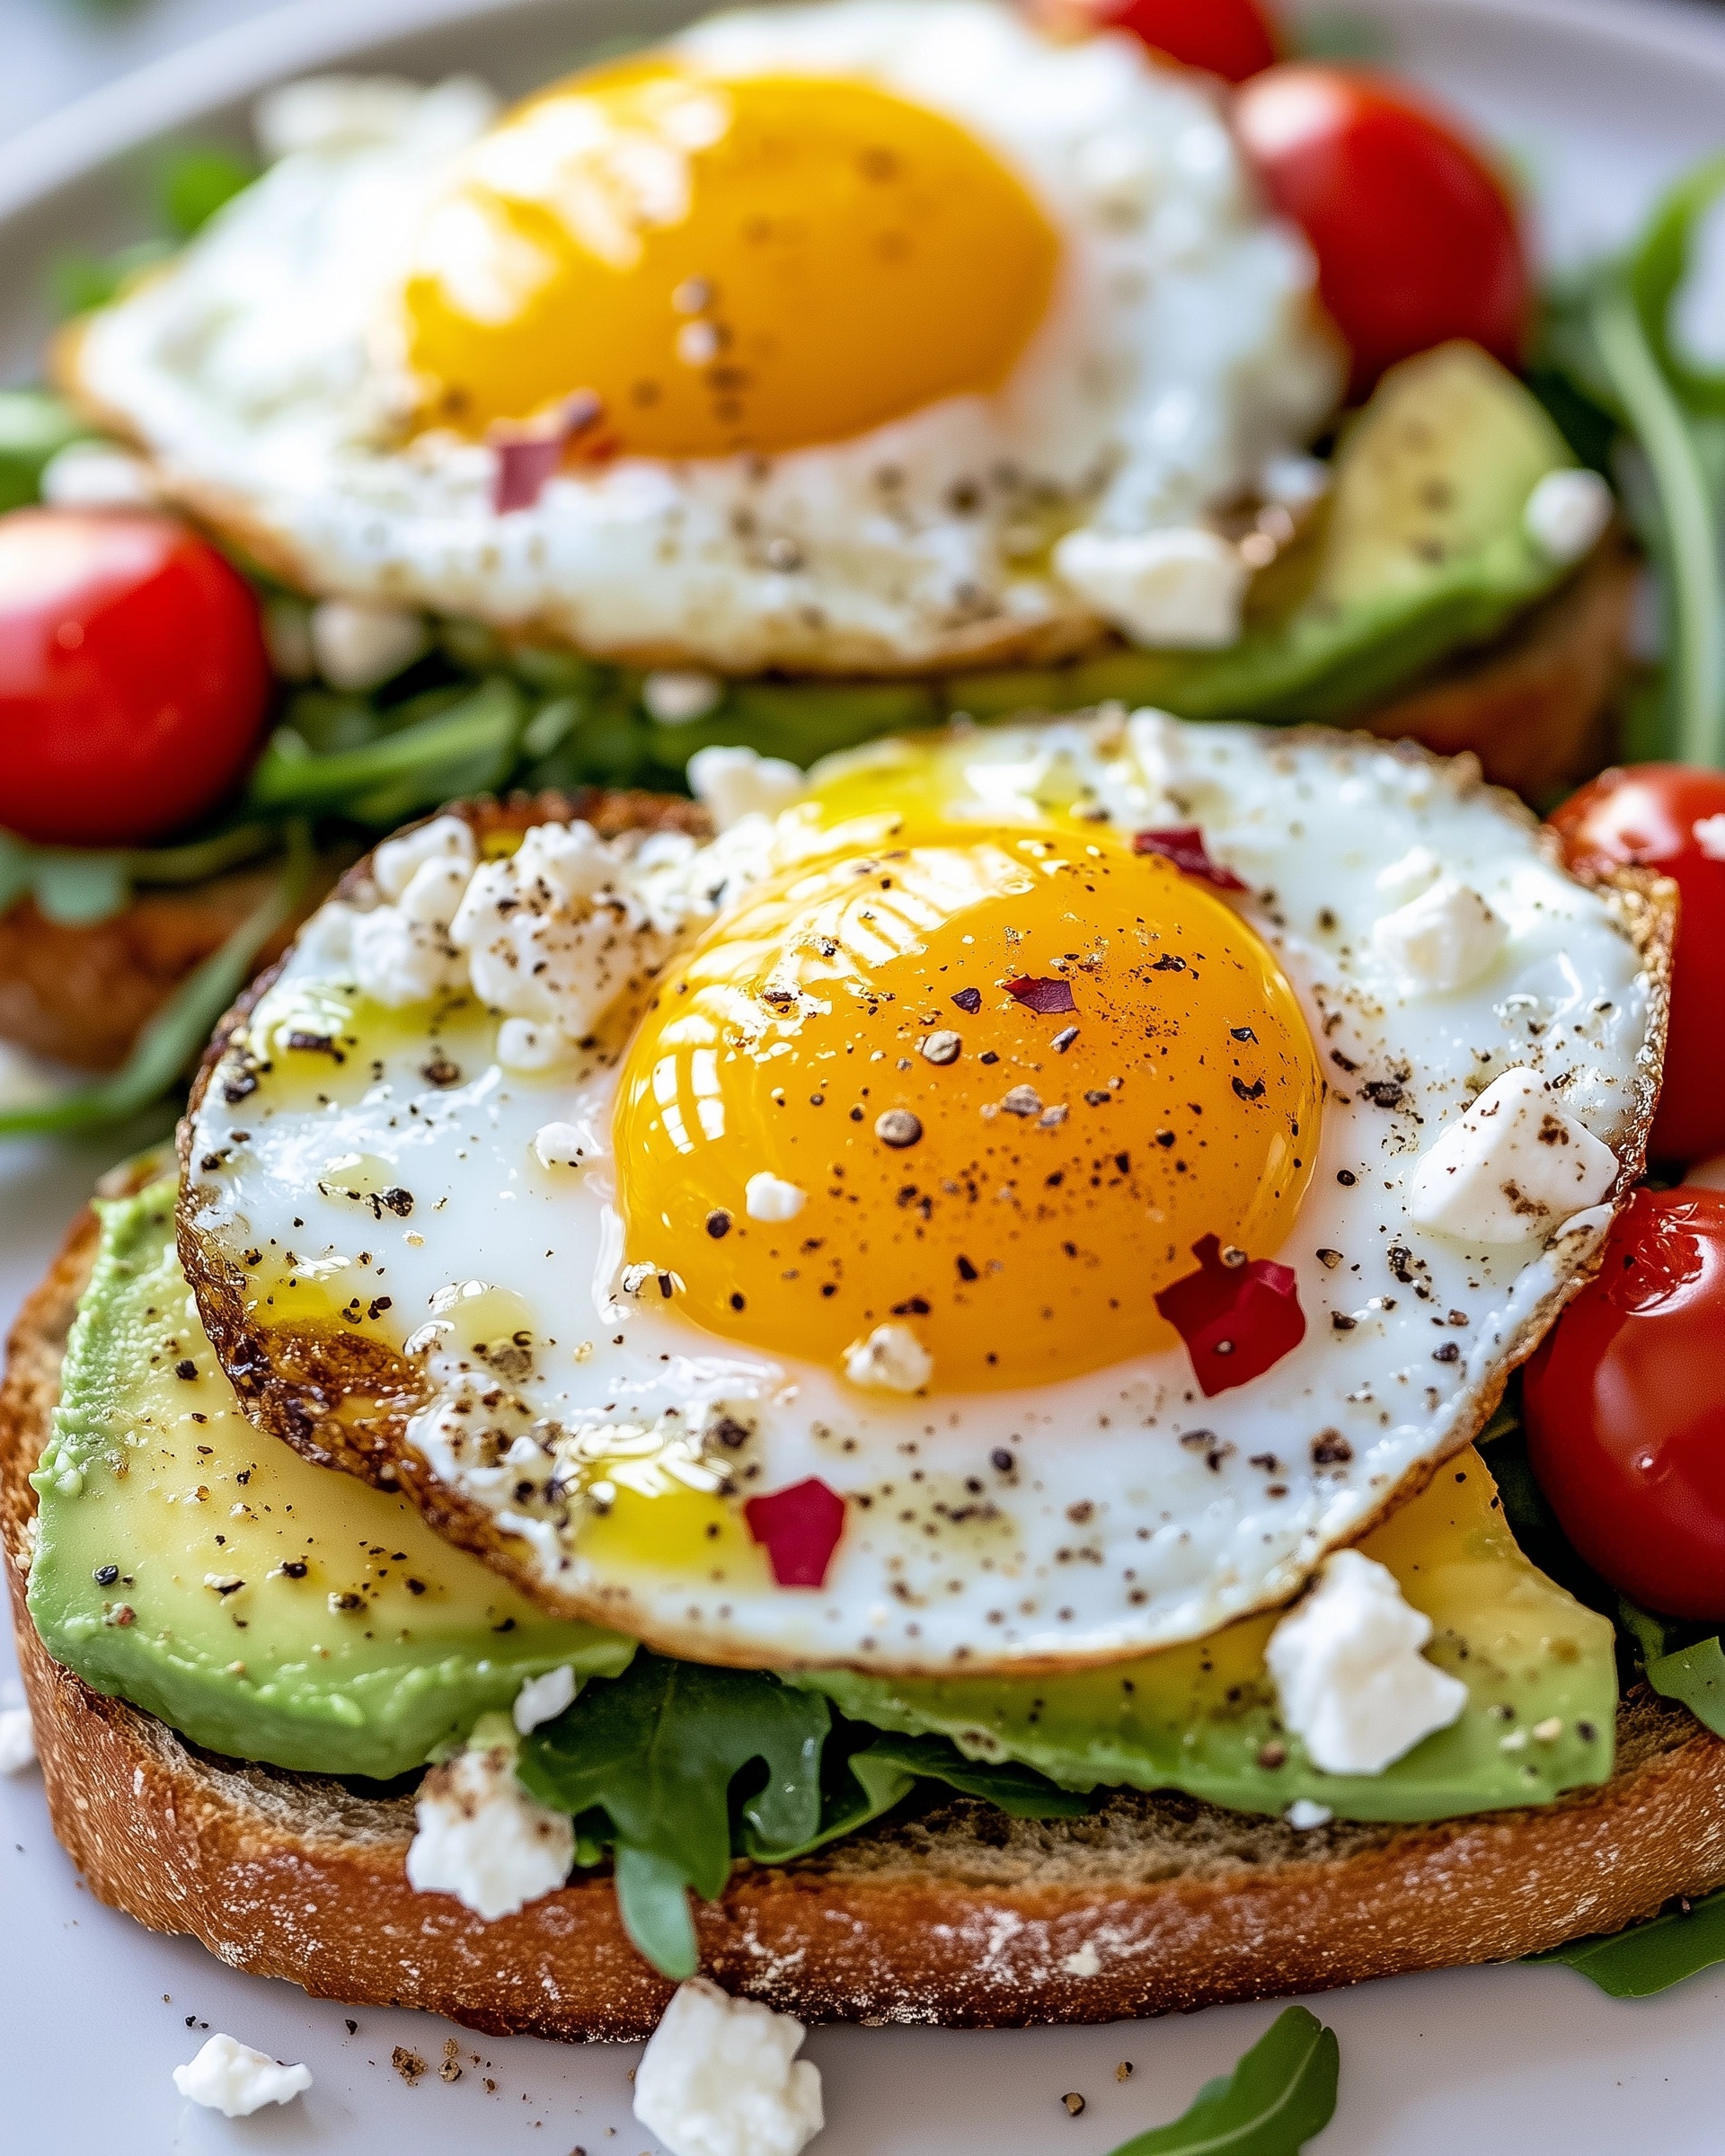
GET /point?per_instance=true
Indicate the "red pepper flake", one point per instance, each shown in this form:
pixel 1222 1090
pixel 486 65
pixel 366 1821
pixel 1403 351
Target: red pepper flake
pixel 1186 849
pixel 527 456
pixel 799 1528
pixel 969 999
pixel 1050 998
pixel 1238 1316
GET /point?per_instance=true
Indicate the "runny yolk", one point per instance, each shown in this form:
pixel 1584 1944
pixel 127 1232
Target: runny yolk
pixel 1013 1183
pixel 761 263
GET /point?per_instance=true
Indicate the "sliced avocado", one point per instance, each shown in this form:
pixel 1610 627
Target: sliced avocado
pixel 1422 553
pixel 1539 1667
pixel 266 1608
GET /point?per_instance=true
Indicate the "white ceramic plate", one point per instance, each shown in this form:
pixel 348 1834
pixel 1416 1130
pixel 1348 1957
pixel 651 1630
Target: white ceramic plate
pixel 1601 103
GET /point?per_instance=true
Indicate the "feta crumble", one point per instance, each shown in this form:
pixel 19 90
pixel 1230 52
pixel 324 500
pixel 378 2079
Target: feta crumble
pixel 721 2077
pixel 1305 1813
pixel 1567 513
pixel 231 2078
pixel 543 1699
pixel 560 1144
pixel 357 645
pixel 17 1740
pixel 768 1196
pixel 397 861
pixel 482 1839
pixel 1442 940
pixel 1352 1681
pixel 1179 590
pixel 892 1359
pixel 732 783
pixel 1512 1167
pixel 678 699
pixel 1709 836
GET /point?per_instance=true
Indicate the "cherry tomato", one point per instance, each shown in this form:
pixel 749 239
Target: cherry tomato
pixel 133 679
pixel 1670 817
pixel 1416 238
pixel 1625 1407
pixel 1229 38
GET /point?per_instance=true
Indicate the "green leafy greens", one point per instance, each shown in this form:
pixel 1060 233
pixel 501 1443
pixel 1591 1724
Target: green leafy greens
pixel 1280 2095
pixel 1680 1942
pixel 679 1767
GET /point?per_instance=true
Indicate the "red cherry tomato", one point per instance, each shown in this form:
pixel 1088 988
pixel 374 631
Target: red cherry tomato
pixel 1417 240
pixel 1229 38
pixel 1625 1407
pixel 133 679
pixel 1660 814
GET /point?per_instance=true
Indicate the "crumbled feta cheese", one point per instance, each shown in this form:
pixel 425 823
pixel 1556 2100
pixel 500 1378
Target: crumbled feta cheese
pixel 17 1740
pixel 558 1145
pixel 892 1359
pixel 434 892
pixel 326 941
pixel 1709 836
pixel 1567 514
pixel 1352 1681
pixel 1294 481
pixel 1179 589
pixel 359 646
pixel 735 782
pixel 96 475
pixel 1706 1175
pixel 1417 870
pixel 397 961
pixel 543 1699
pixel 677 699
pixel 1086 1962
pixel 521 1045
pixel 721 2077
pixel 552 934
pixel 233 2078
pixel 484 1839
pixel 1441 940
pixel 397 861
pixel 767 1198
pixel 1305 1813
pixel 1512 1167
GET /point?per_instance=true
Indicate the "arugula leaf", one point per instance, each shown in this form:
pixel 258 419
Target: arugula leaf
pixel 1689 539
pixel 1281 2094
pixel 1694 1674
pixel 1657 269
pixel 195 183
pixel 78 885
pixel 1678 1943
pixel 177 1033
pixel 468 746
pixel 864 1785
pixel 657 1750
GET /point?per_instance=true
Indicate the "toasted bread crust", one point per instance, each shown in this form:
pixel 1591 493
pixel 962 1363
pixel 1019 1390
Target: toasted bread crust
pixel 951 1914
pixel 1535 708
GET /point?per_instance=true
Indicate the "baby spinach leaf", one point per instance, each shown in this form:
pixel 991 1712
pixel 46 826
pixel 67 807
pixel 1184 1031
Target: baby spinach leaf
pixel 1281 2094
pixel 656 1751
pixel 1679 1942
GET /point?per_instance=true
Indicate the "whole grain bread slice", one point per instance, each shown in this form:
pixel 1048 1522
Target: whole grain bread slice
pixel 947 1912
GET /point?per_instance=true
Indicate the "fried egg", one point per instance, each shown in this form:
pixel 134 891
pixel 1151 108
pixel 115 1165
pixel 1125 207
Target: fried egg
pixel 860 336
pixel 1021 1152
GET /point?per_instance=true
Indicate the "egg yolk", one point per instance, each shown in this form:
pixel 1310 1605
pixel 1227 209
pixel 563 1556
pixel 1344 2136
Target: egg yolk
pixel 1000 1087
pixel 761 263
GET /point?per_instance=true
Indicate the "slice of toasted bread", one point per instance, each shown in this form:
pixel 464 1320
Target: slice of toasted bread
pixel 947 1912
pixel 1533 707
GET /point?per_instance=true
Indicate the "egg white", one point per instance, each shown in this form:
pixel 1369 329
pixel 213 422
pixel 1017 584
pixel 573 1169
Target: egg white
pixel 1134 1513
pixel 1176 359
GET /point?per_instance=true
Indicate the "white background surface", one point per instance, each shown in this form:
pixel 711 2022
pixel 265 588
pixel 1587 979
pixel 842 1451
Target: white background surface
pixel 1600 103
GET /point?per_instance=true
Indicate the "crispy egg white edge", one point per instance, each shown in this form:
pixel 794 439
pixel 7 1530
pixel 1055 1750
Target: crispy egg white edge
pixel 1308 821
pixel 1178 356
